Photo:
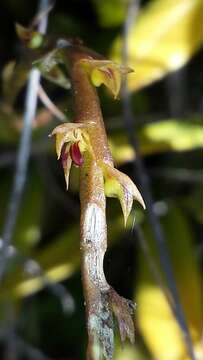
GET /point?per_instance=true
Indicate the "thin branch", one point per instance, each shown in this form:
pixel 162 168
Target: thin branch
pixel 33 268
pixel 145 184
pixel 50 105
pixel 23 152
pixel 42 14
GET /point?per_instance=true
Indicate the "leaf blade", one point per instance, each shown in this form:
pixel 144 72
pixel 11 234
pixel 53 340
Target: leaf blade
pixel 165 36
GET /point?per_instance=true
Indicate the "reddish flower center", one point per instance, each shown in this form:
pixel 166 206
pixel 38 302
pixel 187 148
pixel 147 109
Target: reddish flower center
pixel 64 155
pixel 76 155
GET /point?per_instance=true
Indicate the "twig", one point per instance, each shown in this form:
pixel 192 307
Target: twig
pixel 33 268
pixel 176 92
pixel 144 181
pixel 21 167
pixel 50 105
pixel 23 152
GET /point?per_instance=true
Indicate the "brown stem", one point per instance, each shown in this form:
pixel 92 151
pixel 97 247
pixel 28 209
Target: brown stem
pixel 93 247
pixel 101 300
pixel 93 218
pixel 87 110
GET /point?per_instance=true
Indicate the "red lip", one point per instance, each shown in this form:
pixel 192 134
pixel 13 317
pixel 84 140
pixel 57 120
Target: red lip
pixel 76 155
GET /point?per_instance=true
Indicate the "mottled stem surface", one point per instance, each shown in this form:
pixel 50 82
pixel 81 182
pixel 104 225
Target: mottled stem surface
pixel 100 298
pixel 93 217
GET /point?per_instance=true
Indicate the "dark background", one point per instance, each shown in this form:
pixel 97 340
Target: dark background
pixel 52 320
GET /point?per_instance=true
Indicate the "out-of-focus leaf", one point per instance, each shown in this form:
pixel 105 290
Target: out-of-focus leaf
pixel 28 228
pixel 166 135
pixel 129 352
pixel 165 36
pixel 157 324
pixel 58 262
pixel 50 69
pixel 193 201
pixel 14 77
pixel 174 135
pixel 107 15
pixel 15 73
pixel 31 38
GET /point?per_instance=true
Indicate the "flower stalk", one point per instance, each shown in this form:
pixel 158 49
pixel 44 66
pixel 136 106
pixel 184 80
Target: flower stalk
pixel 100 298
pixel 84 143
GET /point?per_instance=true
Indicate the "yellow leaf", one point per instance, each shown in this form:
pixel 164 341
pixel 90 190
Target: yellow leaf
pixel 156 321
pixel 177 135
pixel 165 135
pixel 165 36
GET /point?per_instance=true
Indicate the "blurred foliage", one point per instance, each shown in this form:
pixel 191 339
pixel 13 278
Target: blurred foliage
pixel 166 35
pixel 159 137
pixel 107 7
pixel 157 323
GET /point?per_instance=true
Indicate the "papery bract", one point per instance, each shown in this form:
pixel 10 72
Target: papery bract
pixel 105 72
pixel 121 186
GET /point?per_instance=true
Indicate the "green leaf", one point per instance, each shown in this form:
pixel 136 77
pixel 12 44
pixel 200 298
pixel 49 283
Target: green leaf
pixel 107 15
pixel 165 36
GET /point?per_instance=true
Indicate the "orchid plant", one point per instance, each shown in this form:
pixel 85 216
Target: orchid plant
pixel 83 143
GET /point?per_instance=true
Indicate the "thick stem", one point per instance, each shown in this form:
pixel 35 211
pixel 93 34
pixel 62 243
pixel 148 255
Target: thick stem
pixel 93 247
pixel 87 109
pixel 100 298
pixel 93 218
